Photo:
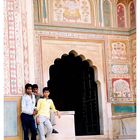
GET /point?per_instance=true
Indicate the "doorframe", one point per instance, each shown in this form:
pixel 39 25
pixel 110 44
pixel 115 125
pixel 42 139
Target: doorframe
pixel 49 44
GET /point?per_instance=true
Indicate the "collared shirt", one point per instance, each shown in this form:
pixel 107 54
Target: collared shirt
pixel 44 105
pixel 28 104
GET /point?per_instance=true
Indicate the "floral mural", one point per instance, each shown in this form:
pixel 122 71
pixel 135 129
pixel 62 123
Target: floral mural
pixel 74 11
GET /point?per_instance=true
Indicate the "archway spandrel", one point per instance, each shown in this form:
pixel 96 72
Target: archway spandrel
pixel 92 51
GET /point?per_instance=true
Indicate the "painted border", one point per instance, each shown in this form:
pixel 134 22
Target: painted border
pixel 123 108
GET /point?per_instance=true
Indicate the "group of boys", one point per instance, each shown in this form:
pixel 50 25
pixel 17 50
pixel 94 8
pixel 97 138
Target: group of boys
pixel 37 112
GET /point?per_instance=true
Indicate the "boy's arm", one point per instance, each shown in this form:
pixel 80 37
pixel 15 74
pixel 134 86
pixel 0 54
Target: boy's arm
pixel 38 105
pixel 58 114
pixel 23 105
pixel 54 109
pixel 37 120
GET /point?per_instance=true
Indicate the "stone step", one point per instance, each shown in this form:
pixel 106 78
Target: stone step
pixel 95 137
pixel 126 137
pixel 65 126
pixel 58 137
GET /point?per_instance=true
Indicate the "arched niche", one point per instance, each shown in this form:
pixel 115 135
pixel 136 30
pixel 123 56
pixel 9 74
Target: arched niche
pixel 107 13
pixel 132 14
pixel 73 87
pixel 121 15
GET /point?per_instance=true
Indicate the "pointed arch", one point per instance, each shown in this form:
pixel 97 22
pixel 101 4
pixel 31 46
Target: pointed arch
pixel 36 11
pixel 107 13
pixel 73 87
pixel 132 14
pixel 40 11
pixel 121 15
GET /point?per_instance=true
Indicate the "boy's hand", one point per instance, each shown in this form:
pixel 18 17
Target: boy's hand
pixel 35 112
pixel 58 114
pixel 37 120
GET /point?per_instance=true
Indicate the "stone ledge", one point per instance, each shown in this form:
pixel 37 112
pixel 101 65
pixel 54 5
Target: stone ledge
pixel 93 137
pixel 124 116
pixel 67 112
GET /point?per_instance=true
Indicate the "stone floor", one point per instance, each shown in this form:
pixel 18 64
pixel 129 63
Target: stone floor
pixel 100 137
pixel 65 127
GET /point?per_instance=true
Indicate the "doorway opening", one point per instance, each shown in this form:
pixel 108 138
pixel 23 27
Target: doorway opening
pixel 73 87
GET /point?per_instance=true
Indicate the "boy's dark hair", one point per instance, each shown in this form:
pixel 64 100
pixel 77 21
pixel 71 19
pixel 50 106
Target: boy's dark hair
pixel 28 85
pixel 45 89
pixel 34 86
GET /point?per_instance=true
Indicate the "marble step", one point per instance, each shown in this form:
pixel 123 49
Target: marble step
pixel 65 126
pixel 58 137
pixel 96 137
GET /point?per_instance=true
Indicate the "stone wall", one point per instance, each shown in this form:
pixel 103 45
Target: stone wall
pixel 124 126
pixel 112 51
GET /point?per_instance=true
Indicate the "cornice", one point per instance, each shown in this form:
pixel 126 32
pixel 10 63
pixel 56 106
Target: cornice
pixel 103 31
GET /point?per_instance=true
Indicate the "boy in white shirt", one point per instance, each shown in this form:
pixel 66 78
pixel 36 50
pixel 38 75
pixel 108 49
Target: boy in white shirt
pixel 28 112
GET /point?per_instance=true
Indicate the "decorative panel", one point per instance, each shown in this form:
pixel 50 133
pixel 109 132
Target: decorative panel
pixel 119 69
pixel 40 11
pixel 72 11
pixel 121 15
pixel 11 15
pixel 16 68
pixel 119 51
pixel 10 118
pixel 132 15
pixel 121 87
pixel 119 72
pixel 123 108
pixel 107 13
pixel 133 66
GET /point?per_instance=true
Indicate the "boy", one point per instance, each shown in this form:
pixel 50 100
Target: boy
pixel 43 116
pixel 37 97
pixel 27 112
pixel 36 93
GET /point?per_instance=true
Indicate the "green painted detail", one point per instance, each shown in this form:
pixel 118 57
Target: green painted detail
pixel 124 109
pixel 44 9
pixel 107 14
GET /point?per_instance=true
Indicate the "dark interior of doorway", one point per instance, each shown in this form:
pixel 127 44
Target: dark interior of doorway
pixel 73 87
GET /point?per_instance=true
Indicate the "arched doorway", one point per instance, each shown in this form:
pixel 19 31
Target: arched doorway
pixel 73 87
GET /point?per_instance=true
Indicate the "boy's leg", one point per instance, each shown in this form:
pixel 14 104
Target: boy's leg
pixel 48 124
pixel 36 124
pixel 41 128
pixel 52 118
pixel 24 120
pixel 33 128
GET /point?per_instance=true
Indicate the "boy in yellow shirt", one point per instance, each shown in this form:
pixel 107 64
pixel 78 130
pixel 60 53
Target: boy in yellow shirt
pixel 43 116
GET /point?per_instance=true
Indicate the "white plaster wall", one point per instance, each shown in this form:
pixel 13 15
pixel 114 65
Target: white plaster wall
pixel 124 126
pixel 30 35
